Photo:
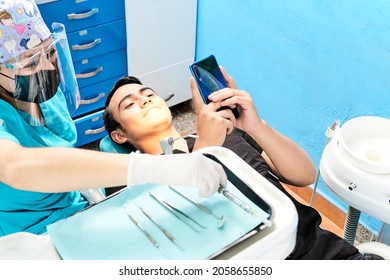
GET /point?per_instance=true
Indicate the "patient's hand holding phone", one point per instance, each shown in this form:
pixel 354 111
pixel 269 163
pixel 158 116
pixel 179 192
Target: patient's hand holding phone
pixel 209 78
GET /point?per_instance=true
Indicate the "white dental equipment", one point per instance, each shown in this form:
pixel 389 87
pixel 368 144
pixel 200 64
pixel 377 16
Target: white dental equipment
pixel 167 143
pixel 355 165
pixel 329 134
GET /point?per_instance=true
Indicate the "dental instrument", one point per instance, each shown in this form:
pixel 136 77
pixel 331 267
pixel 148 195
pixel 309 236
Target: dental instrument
pixel 150 238
pixel 221 219
pixel 167 143
pixel 331 130
pixel 173 210
pixel 262 215
pixel 167 147
pixel 167 234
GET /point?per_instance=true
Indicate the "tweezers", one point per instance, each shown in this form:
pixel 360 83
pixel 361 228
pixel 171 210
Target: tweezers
pixel 151 239
pixel 167 234
pixel 175 212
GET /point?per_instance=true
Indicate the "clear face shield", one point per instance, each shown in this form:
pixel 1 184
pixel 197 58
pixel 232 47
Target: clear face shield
pixel 41 77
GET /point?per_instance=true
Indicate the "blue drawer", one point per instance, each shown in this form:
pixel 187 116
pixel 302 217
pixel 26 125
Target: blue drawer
pixel 93 97
pixel 97 40
pixel 100 68
pixel 90 128
pixel 76 15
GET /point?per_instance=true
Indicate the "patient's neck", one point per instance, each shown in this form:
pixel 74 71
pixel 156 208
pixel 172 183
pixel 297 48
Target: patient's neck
pixel 151 145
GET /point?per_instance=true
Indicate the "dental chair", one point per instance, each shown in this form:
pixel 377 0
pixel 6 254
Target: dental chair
pixel 107 145
pixel 274 241
pixel 355 166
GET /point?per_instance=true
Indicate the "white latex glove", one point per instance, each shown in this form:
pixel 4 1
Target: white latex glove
pixel 179 169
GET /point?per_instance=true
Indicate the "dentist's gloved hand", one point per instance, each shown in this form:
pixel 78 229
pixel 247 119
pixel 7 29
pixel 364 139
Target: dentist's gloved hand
pixel 179 169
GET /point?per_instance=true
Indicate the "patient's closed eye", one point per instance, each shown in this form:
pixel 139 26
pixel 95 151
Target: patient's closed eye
pixel 129 105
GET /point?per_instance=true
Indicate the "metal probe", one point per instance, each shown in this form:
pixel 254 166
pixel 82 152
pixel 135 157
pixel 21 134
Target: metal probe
pixel 173 210
pixel 221 220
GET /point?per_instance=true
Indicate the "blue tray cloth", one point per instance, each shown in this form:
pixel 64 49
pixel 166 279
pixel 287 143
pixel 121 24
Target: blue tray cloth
pixel 104 231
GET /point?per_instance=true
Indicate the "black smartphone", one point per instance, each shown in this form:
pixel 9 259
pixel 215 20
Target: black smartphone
pixel 209 78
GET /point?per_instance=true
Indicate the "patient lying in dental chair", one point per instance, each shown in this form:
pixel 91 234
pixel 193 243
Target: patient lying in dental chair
pixel 136 118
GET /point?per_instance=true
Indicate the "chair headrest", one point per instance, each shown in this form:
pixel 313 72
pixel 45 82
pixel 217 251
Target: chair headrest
pixel 107 145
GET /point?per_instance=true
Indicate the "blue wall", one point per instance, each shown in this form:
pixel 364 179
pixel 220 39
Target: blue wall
pixel 305 63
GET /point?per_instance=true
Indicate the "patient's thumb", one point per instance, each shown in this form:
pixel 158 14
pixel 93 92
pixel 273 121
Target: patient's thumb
pixel 196 98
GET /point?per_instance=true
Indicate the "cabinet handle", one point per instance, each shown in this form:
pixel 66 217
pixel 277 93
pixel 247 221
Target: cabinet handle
pixel 94 131
pixel 83 15
pixel 87 46
pixel 169 97
pixel 92 100
pixel 90 74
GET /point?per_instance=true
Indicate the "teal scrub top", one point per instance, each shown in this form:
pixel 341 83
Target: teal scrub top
pixel 33 211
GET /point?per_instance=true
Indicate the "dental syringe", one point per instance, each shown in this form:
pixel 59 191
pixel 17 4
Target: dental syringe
pixel 262 216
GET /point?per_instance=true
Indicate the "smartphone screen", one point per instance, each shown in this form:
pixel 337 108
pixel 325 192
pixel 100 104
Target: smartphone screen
pixel 209 78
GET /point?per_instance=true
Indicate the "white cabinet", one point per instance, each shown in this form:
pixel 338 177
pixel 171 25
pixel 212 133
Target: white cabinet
pixel 161 45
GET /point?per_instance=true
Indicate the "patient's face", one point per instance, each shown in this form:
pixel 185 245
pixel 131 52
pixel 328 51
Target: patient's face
pixel 140 111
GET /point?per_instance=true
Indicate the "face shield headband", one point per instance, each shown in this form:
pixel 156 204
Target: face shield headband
pixel 41 77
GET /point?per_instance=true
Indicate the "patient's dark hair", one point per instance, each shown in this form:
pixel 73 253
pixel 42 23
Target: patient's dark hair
pixel 109 122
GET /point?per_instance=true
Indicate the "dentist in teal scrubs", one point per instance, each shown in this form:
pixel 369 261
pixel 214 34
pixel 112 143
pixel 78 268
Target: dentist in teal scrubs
pixel 41 173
